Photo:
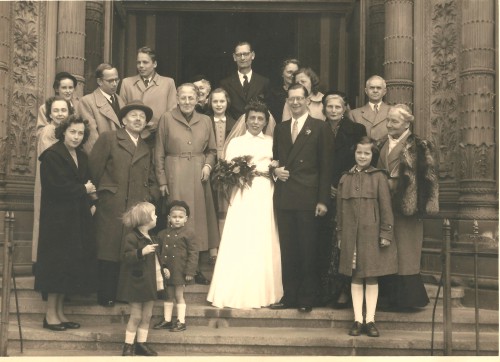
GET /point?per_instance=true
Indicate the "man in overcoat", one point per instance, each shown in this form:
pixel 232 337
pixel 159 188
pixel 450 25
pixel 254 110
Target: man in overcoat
pixel 101 108
pixel 303 147
pixel 121 168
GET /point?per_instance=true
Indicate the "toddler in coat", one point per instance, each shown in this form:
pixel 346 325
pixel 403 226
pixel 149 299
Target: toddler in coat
pixel 179 256
pixel 364 232
pixel 138 281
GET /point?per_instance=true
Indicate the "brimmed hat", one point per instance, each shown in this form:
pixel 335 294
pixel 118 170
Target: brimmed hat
pixel 136 104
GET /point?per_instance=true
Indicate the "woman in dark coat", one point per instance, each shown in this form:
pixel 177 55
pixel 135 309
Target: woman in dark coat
pixel 121 167
pixel 66 260
pixel 414 188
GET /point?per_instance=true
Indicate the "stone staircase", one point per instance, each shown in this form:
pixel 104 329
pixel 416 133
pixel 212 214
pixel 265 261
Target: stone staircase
pixel 213 331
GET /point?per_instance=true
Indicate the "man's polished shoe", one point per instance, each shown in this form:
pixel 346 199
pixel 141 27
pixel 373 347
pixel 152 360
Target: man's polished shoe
pixel 371 330
pixel 163 324
pixel 128 350
pixel 199 278
pixel 281 305
pixel 142 349
pixel 356 329
pixel 71 325
pixel 305 309
pixel 53 327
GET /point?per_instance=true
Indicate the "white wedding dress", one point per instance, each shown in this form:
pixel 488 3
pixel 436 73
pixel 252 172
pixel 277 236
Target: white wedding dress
pixel 248 269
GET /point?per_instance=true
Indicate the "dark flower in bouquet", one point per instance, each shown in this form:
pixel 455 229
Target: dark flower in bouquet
pixel 239 172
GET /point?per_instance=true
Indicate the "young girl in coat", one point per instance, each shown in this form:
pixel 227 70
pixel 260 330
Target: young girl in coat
pixel 179 256
pixel 138 282
pixel 364 230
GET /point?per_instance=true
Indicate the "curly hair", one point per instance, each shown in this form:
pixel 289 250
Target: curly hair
pixel 61 76
pixel 312 76
pixel 257 106
pixel 73 119
pixel 48 106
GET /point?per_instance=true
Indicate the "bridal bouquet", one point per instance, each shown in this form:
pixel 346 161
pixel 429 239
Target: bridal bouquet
pixel 239 172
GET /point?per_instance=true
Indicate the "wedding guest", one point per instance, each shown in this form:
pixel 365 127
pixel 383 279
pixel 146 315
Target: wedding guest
pixel 278 94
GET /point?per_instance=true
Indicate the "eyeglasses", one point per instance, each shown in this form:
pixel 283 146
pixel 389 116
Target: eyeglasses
pixel 298 99
pixel 110 81
pixel 242 55
pixel 189 99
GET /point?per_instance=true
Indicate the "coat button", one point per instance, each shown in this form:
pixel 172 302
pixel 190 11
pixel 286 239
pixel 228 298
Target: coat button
pixel 357 188
pixel 145 184
pixel 189 142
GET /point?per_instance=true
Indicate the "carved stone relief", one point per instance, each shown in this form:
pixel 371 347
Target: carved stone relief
pixel 444 104
pixel 24 93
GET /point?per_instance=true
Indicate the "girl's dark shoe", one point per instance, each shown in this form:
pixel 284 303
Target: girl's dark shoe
pixel 356 329
pixel 71 325
pixel 128 350
pixel 212 260
pixel 163 324
pixel 179 327
pixel 53 327
pixel 371 330
pixel 142 349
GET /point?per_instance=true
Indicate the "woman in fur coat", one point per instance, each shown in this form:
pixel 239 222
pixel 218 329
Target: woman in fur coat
pixel 414 189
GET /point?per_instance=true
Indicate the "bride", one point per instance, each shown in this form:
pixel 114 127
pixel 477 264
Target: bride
pixel 248 269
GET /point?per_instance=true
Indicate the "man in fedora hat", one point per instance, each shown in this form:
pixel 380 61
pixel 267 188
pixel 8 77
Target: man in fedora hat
pixel 121 168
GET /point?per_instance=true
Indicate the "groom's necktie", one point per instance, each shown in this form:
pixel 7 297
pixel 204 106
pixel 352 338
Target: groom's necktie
pixel 295 130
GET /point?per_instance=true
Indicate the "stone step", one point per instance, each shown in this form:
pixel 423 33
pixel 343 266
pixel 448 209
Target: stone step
pixel 33 310
pixel 201 340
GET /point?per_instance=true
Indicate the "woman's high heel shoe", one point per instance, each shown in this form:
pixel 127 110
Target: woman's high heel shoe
pixel 53 327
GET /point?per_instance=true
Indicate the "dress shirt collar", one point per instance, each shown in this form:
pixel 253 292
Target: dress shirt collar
pixel 372 105
pixel 217 119
pixel 249 76
pixel 135 140
pixel 300 122
pixel 249 135
pixel 108 96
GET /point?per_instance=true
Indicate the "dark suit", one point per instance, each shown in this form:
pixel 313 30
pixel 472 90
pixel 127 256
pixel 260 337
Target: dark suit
pixel 258 87
pixel 309 162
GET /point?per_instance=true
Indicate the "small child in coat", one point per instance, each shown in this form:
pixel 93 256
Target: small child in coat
pixel 364 232
pixel 179 255
pixel 138 277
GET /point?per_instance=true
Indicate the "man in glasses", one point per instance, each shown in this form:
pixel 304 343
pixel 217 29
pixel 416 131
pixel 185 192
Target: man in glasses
pixel 244 84
pixel 101 107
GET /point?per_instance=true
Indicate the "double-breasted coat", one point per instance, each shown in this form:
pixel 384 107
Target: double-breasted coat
pixel 373 122
pixel 137 280
pixel 182 148
pixel 178 253
pixel 123 176
pixel 364 215
pixel 66 260
pixel 97 110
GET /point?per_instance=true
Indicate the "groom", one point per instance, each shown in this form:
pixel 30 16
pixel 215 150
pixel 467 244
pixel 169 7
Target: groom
pixel 303 146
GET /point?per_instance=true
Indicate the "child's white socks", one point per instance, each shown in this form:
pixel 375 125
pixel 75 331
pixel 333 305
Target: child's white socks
pixel 371 296
pixel 181 313
pixel 129 337
pixel 357 301
pixel 167 311
pixel 142 335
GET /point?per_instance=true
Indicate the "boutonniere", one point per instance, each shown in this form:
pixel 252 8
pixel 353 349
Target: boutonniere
pixel 308 132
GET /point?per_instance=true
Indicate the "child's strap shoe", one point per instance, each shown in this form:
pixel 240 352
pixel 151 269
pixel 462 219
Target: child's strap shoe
pixel 142 349
pixel 179 327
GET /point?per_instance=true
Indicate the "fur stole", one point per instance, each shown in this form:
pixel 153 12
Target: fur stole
pixel 417 191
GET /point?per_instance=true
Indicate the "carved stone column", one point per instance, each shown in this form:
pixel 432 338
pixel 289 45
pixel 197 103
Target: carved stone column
pixel 5 25
pixel 94 19
pixel 478 193
pixel 375 39
pixel 71 40
pixel 398 65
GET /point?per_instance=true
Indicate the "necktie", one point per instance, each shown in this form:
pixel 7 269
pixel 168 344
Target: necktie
pixel 116 107
pixel 146 82
pixel 295 131
pixel 245 84
pixel 375 108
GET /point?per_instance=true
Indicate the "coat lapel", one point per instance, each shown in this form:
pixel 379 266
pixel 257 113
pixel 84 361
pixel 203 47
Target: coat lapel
pixel 301 139
pixel 235 82
pixel 105 108
pixel 177 115
pixel 124 141
pixel 64 153
pixel 381 115
pixel 142 150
